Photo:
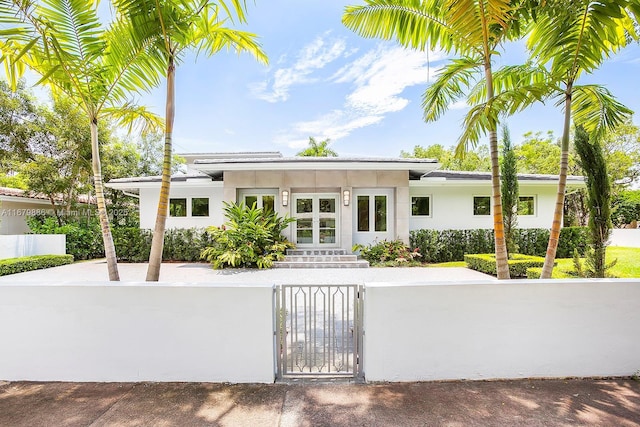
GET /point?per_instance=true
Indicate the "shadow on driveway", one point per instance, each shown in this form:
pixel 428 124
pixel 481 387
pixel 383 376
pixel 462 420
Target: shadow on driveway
pixel 582 402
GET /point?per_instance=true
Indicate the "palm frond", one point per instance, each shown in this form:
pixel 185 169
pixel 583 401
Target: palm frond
pixel 134 117
pixel 595 108
pixel 417 24
pixel 451 85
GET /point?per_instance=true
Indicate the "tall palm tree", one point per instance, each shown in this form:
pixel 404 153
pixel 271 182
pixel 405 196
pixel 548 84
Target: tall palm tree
pixel 576 37
pixel 317 149
pixel 178 26
pixel 95 66
pixel 472 29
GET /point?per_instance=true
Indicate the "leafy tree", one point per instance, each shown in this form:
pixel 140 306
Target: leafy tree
pixel 177 26
pixel 95 66
pixel 473 29
pixel 317 149
pixel 509 180
pixel 593 163
pixel 622 152
pixel 626 207
pixel 473 160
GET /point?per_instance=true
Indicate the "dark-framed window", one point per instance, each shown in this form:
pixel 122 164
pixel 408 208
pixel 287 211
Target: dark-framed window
pixel 421 206
pixel 178 207
pixel 482 205
pixel 200 206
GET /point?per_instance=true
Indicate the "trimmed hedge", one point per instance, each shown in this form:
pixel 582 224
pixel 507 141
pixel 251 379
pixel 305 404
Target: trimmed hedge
pixel 84 241
pixel 518 263
pixel 451 245
pixel 536 272
pixel 35 262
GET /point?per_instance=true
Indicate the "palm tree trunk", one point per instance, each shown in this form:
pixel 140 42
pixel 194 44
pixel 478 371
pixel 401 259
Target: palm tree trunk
pixel 554 234
pixel 502 263
pixel 109 247
pixel 157 243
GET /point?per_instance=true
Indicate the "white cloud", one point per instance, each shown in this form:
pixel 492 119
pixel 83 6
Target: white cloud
pixel 459 105
pixel 314 56
pixel 379 77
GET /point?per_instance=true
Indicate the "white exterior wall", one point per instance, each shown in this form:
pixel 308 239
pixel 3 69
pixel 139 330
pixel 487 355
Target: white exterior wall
pixel 213 190
pixel 517 329
pixel 15 210
pixel 14 246
pixel 626 237
pixel 136 332
pixel 452 206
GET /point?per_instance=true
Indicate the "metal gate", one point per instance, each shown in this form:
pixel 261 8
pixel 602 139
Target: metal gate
pixel 319 331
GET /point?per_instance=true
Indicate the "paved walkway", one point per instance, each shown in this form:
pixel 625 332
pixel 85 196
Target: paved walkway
pixel 495 403
pixel 91 271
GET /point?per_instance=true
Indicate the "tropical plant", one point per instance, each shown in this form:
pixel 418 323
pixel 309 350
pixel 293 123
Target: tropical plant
pixel 594 166
pixel 472 29
pixel 509 180
pixel 572 39
pixel 317 149
pixel 177 26
pixel 95 66
pixel 390 253
pixel 250 237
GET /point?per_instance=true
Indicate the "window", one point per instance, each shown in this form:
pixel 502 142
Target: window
pixel 177 207
pixel 421 206
pixel 482 205
pixel 262 199
pixel 526 205
pixel 363 213
pixel 381 213
pixel 200 206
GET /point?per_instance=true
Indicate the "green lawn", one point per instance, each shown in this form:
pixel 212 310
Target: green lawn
pixel 627 266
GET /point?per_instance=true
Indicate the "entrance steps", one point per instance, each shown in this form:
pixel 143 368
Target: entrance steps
pixel 320 258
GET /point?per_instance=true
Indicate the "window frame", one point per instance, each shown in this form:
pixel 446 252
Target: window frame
pixel 534 205
pixel 430 205
pixel 208 207
pixel 473 206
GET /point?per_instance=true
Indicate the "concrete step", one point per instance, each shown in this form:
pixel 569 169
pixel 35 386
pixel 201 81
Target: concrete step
pixel 320 258
pixel 325 264
pixel 309 252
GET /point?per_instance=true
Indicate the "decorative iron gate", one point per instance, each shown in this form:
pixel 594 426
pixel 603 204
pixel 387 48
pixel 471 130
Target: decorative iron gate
pixel 319 331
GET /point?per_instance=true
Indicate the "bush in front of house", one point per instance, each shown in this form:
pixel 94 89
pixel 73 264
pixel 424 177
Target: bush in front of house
pixel 34 262
pixel 518 263
pixel 451 245
pixel 251 237
pixel 388 253
pixel 84 240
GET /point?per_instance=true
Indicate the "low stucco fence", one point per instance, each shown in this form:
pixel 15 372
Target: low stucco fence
pixel 413 332
pixel 627 237
pixel 19 245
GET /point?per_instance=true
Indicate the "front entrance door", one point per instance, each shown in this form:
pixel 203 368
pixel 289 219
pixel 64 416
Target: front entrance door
pixel 316 220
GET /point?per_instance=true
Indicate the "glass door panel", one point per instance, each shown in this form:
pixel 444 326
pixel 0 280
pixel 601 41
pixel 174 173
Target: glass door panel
pixel 316 220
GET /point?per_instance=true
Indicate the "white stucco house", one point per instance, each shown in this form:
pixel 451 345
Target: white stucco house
pixel 338 201
pixel 16 206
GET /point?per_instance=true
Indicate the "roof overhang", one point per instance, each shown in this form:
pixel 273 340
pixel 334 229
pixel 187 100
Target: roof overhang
pixel 216 166
pixel 133 185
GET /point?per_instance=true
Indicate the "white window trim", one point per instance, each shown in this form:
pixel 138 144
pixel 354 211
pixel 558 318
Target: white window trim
pixel 189 200
pixel 430 197
pixel 535 205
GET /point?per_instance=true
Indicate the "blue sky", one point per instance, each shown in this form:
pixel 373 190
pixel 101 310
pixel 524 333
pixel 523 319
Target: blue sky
pixel 327 82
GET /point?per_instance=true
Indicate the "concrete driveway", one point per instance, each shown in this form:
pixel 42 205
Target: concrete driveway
pixel 573 402
pixel 92 271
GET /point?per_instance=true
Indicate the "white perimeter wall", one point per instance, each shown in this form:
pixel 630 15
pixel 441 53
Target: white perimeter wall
pixel 494 330
pixel 452 207
pixel 136 332
pixel 149 204
pixel 14 246
pixel 626 237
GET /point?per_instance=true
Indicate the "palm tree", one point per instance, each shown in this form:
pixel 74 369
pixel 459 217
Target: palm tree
pixel 469 28
pixel 575 38
pixel 180 25
pixel 317 149
pixel 64 42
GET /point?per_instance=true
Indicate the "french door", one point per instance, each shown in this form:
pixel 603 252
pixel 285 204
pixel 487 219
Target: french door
pixel 316 217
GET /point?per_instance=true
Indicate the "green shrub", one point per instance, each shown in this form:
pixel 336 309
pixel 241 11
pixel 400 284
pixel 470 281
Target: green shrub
pixel 518 263
pixel 438 246
pixel 35 262
pixel 390 253
pixel 250 237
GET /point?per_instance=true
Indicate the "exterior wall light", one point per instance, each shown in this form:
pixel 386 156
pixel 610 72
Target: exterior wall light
pixel 285 197
pixel 346 197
